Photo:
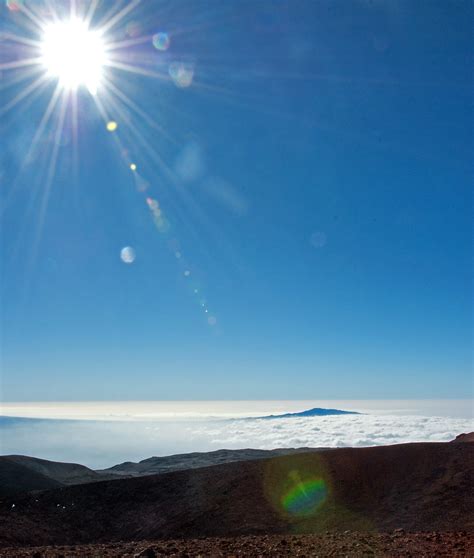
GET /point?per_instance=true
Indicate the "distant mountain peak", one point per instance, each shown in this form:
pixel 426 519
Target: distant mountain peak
pixel 315 412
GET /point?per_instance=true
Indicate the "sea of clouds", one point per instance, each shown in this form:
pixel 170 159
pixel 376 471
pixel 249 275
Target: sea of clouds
pixel 333 431
pixel 103 443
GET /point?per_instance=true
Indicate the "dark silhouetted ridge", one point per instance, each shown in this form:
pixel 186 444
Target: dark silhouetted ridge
pixel 16 478
pixel 417 487
pixel 194 460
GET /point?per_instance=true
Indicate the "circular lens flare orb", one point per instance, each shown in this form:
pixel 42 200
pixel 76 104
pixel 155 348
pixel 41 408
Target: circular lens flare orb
pixel 305 497
pixel 161 41
pixel 181 74
pixel 127 255
pixel 73 54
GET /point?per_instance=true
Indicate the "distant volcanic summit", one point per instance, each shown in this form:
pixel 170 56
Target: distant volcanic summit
pixel 316 412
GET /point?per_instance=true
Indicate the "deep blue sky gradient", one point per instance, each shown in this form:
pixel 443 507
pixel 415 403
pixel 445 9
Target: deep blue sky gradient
pixel 352 120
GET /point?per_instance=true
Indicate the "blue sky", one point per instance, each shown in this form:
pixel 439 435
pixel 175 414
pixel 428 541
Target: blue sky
pixel 315 176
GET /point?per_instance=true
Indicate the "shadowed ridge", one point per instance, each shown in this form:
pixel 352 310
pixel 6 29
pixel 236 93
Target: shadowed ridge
pixel 63 473
pixel 177 462
pixel 417 487
pixel 16 478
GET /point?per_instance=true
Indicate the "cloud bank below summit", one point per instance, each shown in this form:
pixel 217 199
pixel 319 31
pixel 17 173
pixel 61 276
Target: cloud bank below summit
pixel 101 444
pixel 333 431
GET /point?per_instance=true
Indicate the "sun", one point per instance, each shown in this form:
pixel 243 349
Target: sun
pixel 73 54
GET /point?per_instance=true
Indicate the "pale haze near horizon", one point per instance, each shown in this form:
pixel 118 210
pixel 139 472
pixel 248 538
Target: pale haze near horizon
pixel 143 410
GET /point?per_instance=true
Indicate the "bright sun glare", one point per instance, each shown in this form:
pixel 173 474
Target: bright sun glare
pixel 73 54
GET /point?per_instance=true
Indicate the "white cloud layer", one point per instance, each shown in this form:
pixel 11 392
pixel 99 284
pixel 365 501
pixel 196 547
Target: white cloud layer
pixel 101 444
pixel 333 431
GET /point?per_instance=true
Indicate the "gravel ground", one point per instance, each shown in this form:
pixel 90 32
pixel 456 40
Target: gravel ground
pixel 397 543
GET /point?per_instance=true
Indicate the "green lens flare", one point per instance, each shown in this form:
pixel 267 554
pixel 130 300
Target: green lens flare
pixel 305 497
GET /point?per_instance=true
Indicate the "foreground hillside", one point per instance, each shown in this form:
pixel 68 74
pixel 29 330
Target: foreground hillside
pixel 418 487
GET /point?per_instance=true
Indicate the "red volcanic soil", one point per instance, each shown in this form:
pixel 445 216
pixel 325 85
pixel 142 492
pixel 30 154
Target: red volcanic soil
pixel 396 544
pixel 417 487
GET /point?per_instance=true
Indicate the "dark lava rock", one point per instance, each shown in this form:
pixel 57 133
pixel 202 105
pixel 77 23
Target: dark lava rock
pixel 147 553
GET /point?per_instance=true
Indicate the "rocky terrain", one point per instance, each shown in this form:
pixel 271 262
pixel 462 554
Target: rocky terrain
pixel 416 487
pixel 353 544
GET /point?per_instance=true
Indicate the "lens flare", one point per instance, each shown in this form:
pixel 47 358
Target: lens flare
pixel 85 48
pixel 181 74
pixel 158 218
pixel 127 255
pixel 133 29
pixel 14 5
pixel 161 41
pixel 305 497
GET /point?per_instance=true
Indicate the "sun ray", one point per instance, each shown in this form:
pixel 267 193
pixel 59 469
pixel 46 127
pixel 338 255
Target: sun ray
pixel 20 63
pixel 111 12
pixel 32 17
pixel 52 9
pixel 75 132
pixel 128 43
pixel 6 36
pixel 127 101
pixel 136 70
pixel 101 109
pixel 44 120
pixel 118 17
pixel 18 77
pixel 91 12
pixel 50 175
pixel 42 80
pixel 38 133
pixel 72 9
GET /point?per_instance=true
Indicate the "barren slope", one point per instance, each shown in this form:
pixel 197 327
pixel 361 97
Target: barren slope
pixel 414 486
